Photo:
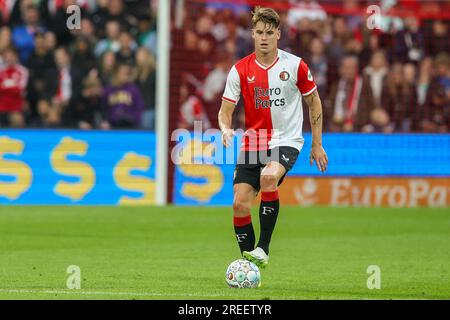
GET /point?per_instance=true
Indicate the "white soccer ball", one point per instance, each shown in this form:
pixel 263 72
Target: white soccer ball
pixel 243 274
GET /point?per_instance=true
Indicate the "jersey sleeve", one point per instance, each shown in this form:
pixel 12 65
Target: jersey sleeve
pixel 305 81
pixel 233 87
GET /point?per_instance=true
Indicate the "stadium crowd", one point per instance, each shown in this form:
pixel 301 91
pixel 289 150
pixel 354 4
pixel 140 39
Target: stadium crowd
pixel 101 75
pixel 395 78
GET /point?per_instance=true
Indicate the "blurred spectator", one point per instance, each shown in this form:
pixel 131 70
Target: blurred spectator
pixel 220 29
pixel 206 45
pixel 5 38
pixel 436 115
pixel 4 12
pixel 50 41
pixel 23 35
pixel 85 113
pixel 371 43
pixel 301 9
pixel 213 87
pixel 145 79
pixel 147 33
pixel 400 97
pixel 61 85
pixel 191 110
pixel 301 39
pixel 442 63
pixel 374 42
pixel 112 40
pixel 244 41
pixel 107 66
pixel 13 83
pixel 99 17
pixel 206 49
pixel 83 58
pixel 17 7
pixel 377 72
pixel 87 31
pixel 216 79
pixel 437 112
pixel 340 37
pixel 40 61
pixel 204 25
pixel 409 43
pixel 318 64
pixel 351 100
pixel 193 71
pixel 425 74
pixel 354 16
pixel 438 41
pixel 122 101
pixel 127 49
pixel 5 41
pixel 116 11
pixel 230 48
pixel 286 33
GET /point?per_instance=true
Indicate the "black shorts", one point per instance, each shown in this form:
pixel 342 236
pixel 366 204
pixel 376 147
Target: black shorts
pixel 250 163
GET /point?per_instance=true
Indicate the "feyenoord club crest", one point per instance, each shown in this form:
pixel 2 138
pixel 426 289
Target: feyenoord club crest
pixel 284 76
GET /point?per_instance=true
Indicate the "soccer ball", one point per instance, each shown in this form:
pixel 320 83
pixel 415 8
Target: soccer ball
pixel 243 274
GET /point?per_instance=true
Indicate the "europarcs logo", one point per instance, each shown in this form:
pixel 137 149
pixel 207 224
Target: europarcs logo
pixel 263 98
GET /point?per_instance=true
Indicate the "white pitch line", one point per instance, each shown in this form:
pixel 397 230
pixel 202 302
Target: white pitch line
pixel 157 294
pixel 140 294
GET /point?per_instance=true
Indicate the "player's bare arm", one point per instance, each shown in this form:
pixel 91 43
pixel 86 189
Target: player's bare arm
pixel 316 118
pixel 225 120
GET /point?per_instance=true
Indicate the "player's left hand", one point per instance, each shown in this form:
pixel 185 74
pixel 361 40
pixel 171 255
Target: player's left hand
pixel 320 156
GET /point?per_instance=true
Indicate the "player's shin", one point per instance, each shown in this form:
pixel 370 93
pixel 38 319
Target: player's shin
pixel 268 213
pixel 245 235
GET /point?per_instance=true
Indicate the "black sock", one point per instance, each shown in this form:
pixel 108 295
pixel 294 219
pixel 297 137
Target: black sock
pixel 268 213
pixel 245 235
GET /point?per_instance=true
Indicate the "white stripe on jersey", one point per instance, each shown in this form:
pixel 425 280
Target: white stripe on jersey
pixel 287 121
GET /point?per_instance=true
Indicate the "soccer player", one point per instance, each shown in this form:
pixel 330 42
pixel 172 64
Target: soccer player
pixel 272 83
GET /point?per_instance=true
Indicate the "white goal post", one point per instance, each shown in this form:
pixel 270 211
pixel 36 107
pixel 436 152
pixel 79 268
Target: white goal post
pixel 162 101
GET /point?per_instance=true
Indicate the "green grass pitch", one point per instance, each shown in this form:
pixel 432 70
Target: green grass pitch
pixel 183 252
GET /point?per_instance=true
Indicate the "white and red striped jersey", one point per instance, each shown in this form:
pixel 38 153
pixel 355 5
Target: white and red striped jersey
pixel 272 100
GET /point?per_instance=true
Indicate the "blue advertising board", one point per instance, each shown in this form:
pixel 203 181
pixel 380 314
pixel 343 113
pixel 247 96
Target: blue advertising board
pixel 64 167
pixel 350 155
pixel 76 167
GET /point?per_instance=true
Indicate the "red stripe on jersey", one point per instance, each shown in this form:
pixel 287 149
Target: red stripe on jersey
pixel 269 67
pixel 274 63
pixel 305 81
pixel 255 88
pixel 229 100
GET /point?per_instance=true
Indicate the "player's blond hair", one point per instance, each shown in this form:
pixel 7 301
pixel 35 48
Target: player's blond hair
pixel 267 16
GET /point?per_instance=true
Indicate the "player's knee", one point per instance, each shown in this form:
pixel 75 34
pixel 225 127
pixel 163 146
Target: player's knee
pixel 268 182
pixel 241 208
